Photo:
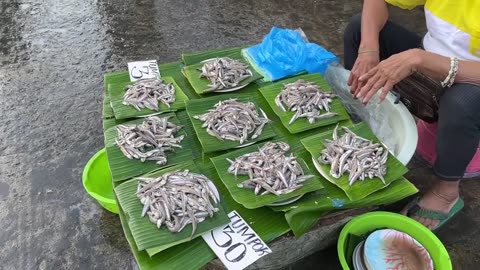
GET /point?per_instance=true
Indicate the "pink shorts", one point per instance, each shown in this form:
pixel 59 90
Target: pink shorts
pixel 427 134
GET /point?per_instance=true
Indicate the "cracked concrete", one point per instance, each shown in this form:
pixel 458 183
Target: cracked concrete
pixel 53 55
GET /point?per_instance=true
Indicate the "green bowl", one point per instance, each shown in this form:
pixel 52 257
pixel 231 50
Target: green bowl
pixel 97 181
pixel 362 225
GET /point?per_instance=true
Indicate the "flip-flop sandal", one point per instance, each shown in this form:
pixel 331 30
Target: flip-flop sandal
pixel 413 209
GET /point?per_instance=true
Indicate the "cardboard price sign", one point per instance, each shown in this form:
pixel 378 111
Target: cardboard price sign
pixel 143 70
pixel 236 244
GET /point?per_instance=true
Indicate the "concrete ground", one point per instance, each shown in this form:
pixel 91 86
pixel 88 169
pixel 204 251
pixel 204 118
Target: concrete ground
pixel 53 55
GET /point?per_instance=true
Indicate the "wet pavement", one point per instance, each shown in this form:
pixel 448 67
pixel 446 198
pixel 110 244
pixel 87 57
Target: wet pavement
pixel 52 58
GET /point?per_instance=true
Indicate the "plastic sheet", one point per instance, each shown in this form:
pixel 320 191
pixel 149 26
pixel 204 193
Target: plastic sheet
pixel 374 114
pixel 285 52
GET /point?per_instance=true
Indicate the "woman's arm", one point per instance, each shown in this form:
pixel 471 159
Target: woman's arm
pixel 374 17
pixel 399 66
pixel 437 67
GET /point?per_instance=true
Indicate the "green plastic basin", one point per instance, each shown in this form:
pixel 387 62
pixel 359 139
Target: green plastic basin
pixel 97 181
pixel 364 224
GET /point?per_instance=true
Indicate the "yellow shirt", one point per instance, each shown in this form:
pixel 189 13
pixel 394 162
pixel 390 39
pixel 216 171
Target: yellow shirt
pixel 453 26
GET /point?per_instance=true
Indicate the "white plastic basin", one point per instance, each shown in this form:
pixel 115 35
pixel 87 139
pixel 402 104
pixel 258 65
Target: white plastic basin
pixel 392 123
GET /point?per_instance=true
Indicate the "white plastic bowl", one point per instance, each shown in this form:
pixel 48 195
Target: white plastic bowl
pixel 404 130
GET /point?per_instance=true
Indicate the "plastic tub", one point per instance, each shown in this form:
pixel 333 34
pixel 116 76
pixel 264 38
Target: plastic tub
pixel 97 181
pixel 426 149
pixel 364 224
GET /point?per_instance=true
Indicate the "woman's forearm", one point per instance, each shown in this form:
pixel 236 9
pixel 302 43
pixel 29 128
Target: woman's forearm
pixel 437 66
pixel 374 17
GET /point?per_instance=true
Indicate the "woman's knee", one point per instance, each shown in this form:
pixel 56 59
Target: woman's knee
pixel 352 32
pixel 459 107
pixel 462 100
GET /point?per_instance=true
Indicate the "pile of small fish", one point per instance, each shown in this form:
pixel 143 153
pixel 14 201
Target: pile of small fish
pixel 351 153
pixel 147 93
pixel 177 199
pixel 224 73
pixel 269 169
pixel 149 140
pixel 233 120
pixel 305 99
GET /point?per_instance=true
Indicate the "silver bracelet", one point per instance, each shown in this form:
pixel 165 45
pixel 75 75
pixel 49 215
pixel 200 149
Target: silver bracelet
pixel 455 71
pixel 452 73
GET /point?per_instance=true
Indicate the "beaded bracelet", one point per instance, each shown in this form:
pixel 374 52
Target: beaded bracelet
pixel 452 73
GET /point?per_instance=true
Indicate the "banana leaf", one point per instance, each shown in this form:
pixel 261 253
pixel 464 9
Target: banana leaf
pixel 247 197
pixel 174 70
pixel 304 213
pixel 210 143
pixel 201 85
pixel 359 189
pixel 194 58
pixel 107 111
pixel 123 168
pixel 116 77
pixel 267 223
pixel 146 234
pixel 122 111
pixel 177 257
pixel 271 91
pixel 109 123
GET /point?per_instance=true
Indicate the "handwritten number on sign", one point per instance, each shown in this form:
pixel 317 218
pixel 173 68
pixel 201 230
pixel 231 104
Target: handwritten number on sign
pixel 235 249
pixel 232 250
pixel 227 233
pixel 141 72
pixel 236 244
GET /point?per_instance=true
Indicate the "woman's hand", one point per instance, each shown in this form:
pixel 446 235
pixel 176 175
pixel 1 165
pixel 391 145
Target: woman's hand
pixel 387 73
pixel 364 63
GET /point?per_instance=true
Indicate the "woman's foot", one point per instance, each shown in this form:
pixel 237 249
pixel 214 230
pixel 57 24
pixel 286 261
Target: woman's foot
pixel 441 197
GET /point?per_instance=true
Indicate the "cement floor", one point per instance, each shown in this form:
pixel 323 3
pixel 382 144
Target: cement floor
pixel 53 55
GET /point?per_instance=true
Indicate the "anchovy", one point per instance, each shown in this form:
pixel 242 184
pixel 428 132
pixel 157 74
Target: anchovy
pixel 149 140
pixel 270 169
pixel 233 120
pixel 358 156
pixel 307 100
pixel 148 93
pixel 177 199
pixel 224 73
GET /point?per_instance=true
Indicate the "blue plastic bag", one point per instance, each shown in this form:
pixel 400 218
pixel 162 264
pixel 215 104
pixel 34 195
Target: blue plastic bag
pixel 318 59
pixel 284 52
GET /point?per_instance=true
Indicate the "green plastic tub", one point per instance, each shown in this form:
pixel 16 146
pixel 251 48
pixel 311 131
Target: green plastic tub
pixel 97 181
pixel 359 227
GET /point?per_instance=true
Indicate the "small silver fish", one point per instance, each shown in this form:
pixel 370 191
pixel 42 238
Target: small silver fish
pixel 224 73
pixel 177 199
pixel 306 99
pixel 233 120
pixel 358 156
pixel 270 169
pixel 148 93
pixel 149 140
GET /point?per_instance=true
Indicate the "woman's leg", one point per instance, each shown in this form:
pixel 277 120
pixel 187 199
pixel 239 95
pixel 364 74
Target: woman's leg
pixel 392 39
pixel 458 137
